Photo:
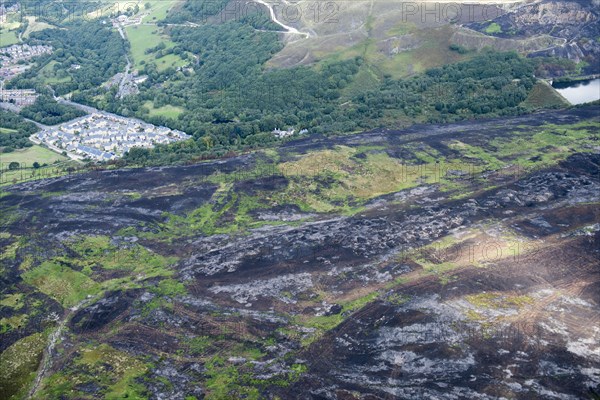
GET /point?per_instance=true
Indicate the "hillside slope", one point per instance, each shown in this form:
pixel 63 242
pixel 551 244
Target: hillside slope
pixel 448 261
pixel 403 38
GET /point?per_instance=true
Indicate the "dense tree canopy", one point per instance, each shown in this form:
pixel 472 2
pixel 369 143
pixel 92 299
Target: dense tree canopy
pixel 17 131
pixel 48 112
pixel 227 99
pixel 87 54
pixel 232 111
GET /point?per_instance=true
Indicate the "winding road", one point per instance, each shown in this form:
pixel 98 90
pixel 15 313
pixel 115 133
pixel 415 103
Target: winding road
pixel 289 29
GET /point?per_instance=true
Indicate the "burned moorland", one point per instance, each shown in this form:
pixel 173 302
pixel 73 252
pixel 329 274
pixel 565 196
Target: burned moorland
pixel 455 261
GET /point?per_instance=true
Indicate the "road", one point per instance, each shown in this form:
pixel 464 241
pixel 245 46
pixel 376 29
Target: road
pixel 87 109
pixel 289 29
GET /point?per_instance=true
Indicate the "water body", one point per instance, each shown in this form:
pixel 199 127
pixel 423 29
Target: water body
pixel 579 92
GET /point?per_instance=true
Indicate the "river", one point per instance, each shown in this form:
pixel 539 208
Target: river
pixel 579 92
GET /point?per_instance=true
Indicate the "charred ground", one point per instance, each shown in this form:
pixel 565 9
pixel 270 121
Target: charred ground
pixel 455 261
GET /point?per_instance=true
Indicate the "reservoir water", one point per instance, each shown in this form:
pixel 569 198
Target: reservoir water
pixel 579 92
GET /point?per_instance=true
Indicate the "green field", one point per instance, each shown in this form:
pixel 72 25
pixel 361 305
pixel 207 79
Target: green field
pixel 143 37
pixel 545 96
pixel 167 111
pixel 63 284
pixel 170 60
pixel 35 26
pixel 28 156
pixel 49 76
pixel 7 130
pixel 158 9
pixel 7 37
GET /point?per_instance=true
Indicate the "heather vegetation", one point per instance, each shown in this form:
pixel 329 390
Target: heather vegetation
pixel 435 196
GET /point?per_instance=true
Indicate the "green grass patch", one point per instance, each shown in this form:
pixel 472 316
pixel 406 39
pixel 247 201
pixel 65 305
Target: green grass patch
pixel 227 212
pixel 28 156
pixel 542 95
pixel 115 372
pixel 425 153
pixel 434 51
pixel 203 219
pixel 50 76
pixel 142 38
pixel 497 300
pixel 249 353
pixel 145 37
pixel 158 10
pixel 169 61
pixel 366 79
pixel 198 345
pixel 477 154
pixel 7 130
pixel 227 381
pixel 493 28
pixel 546 145
pixel 167 111
pixel 336 180
pixel 224 381
pixel 29 174
pixel 326 323
pixel 14 301
pixel 62 283
pixel 97 251
pixel 35 26
pixel 8 37
pixel 401 29
pixel 18 365
pixel 10 252
pixel 397 299
pixel 169 288
pixel 13 323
